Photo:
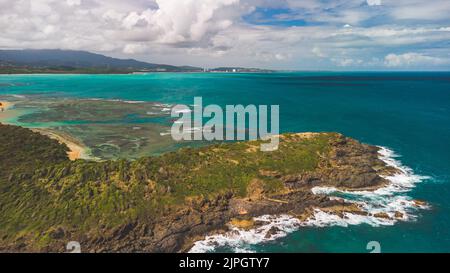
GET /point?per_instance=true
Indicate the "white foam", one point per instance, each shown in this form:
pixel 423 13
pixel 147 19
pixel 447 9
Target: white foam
pixel 163 105
pixel 133 101
pixel 184 111
pixel 152 113
pixel 324 219
pixel 18 96
pixel 323 190
pixel 240 240
pixel 388 200
pixel 117 100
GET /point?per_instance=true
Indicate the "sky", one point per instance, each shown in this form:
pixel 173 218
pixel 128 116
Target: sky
pixel 275 34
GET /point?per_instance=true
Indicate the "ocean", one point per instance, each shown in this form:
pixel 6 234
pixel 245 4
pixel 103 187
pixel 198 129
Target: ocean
pixel 408 113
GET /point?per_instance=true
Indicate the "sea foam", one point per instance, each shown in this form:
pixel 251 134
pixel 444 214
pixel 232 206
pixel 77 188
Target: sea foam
pixel 389 200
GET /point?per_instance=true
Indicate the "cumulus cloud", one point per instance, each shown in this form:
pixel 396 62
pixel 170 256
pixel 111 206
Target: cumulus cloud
pixel 412 59
pixel 73 2
pixel 373 2
pixel 431 10
pixel 288 33
pixel 318 52
pixel 344 62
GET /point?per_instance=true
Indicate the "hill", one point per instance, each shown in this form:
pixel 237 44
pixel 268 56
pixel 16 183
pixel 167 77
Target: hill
pixel 73 61
pixel 165 203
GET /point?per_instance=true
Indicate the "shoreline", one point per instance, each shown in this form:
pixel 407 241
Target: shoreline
pixel 394 207
pixel 77 149
pixel 228 218
pixel 10 113
pixel 5 105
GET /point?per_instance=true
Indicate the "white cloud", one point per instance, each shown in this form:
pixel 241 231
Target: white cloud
pixel 135 48
pixel 192 20
pixel 280 56
pixel 342 33
pixel 73 2
pixel 347 62
pixel 134 19
pixel 431 10
pixel 373 2
pixel 318 52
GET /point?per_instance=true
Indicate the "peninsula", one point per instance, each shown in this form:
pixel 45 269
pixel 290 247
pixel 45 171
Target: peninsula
pixel 166 203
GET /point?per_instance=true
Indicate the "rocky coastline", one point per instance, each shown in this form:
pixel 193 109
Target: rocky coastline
pixel 269 189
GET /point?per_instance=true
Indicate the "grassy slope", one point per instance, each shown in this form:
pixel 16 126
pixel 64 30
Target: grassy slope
pixel 41 190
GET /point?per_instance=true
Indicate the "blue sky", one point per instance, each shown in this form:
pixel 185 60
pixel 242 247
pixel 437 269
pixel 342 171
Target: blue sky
pixel 275 17
pixel 280 34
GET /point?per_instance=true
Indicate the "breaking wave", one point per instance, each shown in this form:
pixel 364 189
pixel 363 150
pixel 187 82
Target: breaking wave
pixel 382 207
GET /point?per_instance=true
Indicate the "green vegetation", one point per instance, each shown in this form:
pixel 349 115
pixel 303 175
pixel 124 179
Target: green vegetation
pixel 41 190
pixel 21 151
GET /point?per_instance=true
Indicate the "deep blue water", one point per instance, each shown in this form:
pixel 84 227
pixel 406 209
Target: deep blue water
pixel 407 112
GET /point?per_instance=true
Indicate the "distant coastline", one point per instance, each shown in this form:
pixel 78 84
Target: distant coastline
pixel 49 61
pixel 117 122
pixel 101 71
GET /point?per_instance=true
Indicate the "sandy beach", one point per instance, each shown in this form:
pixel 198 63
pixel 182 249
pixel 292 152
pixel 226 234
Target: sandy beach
pixel 77 149
pixel 5 105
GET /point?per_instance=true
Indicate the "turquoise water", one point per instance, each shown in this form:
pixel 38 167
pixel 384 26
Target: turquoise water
pixel 406 112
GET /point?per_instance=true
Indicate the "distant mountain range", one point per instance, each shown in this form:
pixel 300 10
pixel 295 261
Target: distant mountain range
pixel 69 61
